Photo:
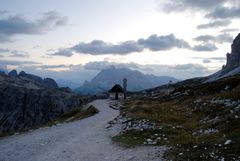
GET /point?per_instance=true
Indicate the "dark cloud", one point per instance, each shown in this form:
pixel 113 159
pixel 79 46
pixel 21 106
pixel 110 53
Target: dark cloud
pixel 205 47
pixel 62 52
pixel 224 12
pixel 15 25
pixel 222 38
pixel 99 47
pixel 214 24
pixel 158 43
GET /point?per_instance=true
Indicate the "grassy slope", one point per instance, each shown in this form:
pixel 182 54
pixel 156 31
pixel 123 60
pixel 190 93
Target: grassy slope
pixel 184 120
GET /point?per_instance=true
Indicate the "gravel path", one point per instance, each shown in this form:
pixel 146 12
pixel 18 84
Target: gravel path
pixel 83 140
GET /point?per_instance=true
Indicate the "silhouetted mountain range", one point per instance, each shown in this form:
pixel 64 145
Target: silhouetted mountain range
pixel 104 80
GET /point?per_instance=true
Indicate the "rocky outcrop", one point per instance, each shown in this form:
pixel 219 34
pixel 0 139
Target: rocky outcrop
pixel 46 83
pixel 232 66
pixel 49 82
pixel 13 73
pixel 233 58
pixel 24 105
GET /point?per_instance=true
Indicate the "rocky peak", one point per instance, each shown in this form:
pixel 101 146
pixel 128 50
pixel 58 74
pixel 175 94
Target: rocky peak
pixel 49 82
pixel 13 73
pixel 233 58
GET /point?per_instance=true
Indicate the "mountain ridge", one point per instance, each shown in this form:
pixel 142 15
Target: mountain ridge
pixel 137 81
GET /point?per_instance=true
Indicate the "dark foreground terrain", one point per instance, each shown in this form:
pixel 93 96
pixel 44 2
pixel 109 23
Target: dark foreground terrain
pixel 197 121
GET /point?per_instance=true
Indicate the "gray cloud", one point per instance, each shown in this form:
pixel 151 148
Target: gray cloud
pixel 19 54
pixel 158 43
pixel 18 63
pixel 99 47
pixel 2 12
pixel 224 12
pixel 205 47
pixel 206 61
pixel 222 38
pixel 62 52
pixel 211 59
pixel 182 5
pixel 15 25
pixel 214 24
pixel 227 30
pixel 100 65
pixel 2 50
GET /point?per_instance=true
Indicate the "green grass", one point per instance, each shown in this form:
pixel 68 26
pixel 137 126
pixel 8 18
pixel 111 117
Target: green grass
pixel 182 112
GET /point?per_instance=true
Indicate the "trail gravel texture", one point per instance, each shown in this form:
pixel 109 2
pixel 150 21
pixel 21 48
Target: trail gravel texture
pixel 83 140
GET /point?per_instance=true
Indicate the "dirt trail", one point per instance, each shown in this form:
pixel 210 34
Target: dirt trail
pixel 83 140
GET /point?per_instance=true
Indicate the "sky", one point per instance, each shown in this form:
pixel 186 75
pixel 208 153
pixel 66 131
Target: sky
pixel 75 39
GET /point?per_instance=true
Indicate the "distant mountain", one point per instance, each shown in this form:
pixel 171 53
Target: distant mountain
pixel 36 80
pixel 108 77
pixel 67 83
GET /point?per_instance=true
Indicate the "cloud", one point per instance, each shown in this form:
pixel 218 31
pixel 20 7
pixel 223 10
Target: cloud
pixel 227 30
pixel 14 53
pixel 205 47
pixel 224 12
pixel 15 25
pixel 18 63
pixel 99 47
pixel 62 52
pixel 19 54
pixel 214 24
pixel 206 61
pixel 196 5
pixel 2 12
pixel 158 43
pixel 222 38
pixel 211 59
pixel 100 65
pixel 2 50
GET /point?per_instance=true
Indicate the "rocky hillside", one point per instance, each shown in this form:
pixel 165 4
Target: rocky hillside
pixel 28 101
pixel 136 81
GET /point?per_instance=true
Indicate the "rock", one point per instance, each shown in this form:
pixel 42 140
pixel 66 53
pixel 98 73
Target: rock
pixel 233 58
pixel 46 83
pixel 13 73
pixel 227 142
pixel 49 82
pixel 24 105
pixel 31 77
